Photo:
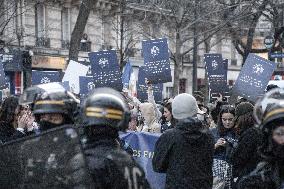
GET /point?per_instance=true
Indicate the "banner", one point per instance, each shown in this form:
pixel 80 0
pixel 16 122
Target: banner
pixel 86 85
pixel 126 75
pixel 105 69
pixel 254 77
pixel 66 85
pixel 142 88
pixel 40 77
pixel 216 69
pixel 72 74
pixel 156 60
pixel 12 61
pixel 143 145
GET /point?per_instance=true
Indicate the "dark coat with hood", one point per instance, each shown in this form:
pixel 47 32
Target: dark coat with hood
pixel 185 154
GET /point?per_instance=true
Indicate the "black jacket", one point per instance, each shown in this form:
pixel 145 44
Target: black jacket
pixel 245 156
pixel 267 175
pixel 112 167
pixel 6 131
pixel 185 154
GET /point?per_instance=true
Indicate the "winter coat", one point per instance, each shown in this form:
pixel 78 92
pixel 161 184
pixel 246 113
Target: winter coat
pixel 151 123
pixel 223 152
pixel 112 167
pixel 265 176
pixel 6 131
pixel 185 154
pixel 245 156
pixel 166 126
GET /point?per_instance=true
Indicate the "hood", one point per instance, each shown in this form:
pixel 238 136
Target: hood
pixel 191 129
pixel 148 112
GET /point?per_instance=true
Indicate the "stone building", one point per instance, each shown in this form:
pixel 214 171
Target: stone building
pixel 44 27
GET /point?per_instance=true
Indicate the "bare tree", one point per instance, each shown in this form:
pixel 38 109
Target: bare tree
pixel 191 21
pixel 243 32
pixel 76 36
pixel 126 35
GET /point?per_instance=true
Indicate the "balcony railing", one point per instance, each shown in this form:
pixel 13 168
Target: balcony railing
pixel 65 44
pixel 43 42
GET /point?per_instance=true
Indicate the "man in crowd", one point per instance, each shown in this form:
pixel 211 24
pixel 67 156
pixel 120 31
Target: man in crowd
pixel 185 153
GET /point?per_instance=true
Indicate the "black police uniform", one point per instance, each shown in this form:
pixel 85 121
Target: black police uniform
pixel 110 166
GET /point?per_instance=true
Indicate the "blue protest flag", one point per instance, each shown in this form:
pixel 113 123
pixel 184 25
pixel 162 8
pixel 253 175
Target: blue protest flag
pixel 216 69
pixel 143 145
pixel 142 94
pixel 105 69
pixel 126 74
pixel 254 77
pixel 12 61
pixel 3 79
pixel 40 77
pixel 86 84
pixel 66 85
pixel 156 60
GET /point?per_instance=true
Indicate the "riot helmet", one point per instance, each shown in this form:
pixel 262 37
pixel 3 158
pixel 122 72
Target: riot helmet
pixel 106 107
pixel 269 109
pixel 52 98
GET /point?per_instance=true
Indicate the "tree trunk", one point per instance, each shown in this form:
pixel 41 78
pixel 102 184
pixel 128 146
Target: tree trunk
pixel 79 28
pixel 207 49
pixel 178 65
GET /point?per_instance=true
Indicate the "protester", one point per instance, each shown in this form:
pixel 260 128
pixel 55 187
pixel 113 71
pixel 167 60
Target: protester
pixel 225 139
pixel 105 113
pixel 150 123
pixel 9 115
pixel 244 157
pixel 269 173
pixel 170 121
pixel 133 121
pixel 185 153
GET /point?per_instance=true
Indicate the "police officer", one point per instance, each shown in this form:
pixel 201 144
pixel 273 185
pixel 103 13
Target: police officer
pixel 105 113
pixel 52 105
pixel 269 173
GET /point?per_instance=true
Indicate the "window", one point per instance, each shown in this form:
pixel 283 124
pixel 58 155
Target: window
pixel 65 27
pixel 41 33
pixel 234 62
pixel 182 85
pixel 40 20
pixel 169 92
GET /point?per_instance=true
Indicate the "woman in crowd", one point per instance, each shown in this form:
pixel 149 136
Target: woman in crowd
pixel 225 137
pixel 245 157
pixel 169 119
pixel 8 118
pixel 150 122
pixel 269 173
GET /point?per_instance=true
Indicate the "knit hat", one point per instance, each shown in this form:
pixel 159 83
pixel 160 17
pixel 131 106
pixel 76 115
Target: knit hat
pixel 243 108
pixel 184 106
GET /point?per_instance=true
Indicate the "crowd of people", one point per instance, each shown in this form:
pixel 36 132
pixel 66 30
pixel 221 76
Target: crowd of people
pixel 210 146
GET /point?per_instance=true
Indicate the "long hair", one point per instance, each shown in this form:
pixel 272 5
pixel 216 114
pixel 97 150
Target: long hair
pixel 244 122
pixel 224 109
pixel 8 108
pixel 169 107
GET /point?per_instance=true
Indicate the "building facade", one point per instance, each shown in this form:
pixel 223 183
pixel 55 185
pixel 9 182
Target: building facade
pixel 44 27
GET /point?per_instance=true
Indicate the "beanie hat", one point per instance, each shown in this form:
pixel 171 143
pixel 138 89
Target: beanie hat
pixel 243 108
pixel 184 106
